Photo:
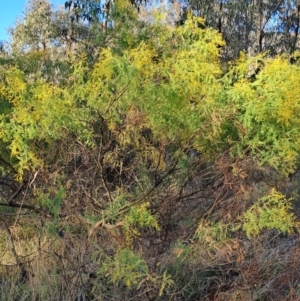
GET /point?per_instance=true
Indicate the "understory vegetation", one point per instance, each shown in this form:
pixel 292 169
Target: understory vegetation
pixel 144 159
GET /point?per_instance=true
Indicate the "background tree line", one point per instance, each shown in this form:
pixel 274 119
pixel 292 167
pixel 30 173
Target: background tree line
pixel 248 26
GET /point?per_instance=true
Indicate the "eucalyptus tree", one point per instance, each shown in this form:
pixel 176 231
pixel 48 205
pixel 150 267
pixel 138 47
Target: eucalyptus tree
pixel 42 28
pixel 251 26
pixel 34 32
pixel 43 39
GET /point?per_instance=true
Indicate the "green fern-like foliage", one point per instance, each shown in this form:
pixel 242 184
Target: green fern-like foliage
pixel 211 233
pixel 272 211
pixel 266 111
pixel 126 267
pixel 138 217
